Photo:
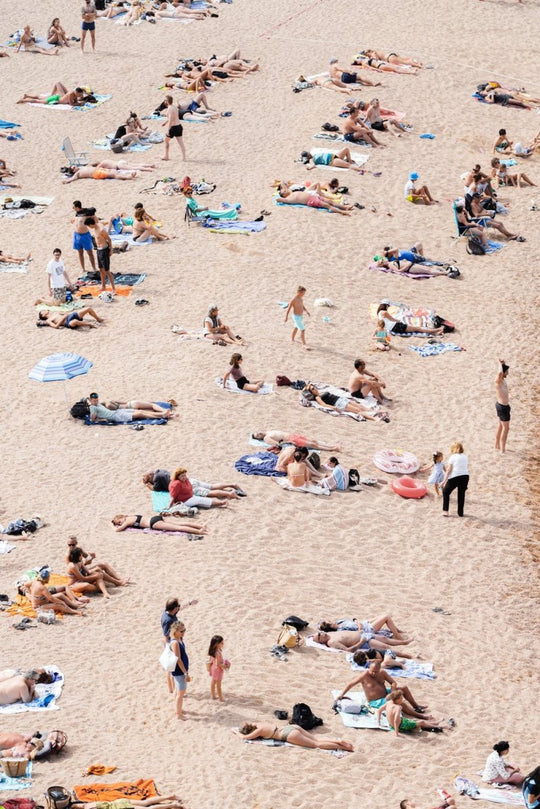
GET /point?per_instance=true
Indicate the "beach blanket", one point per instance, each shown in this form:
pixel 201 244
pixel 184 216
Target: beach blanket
pixel 129 279
pixel 434 349
pixel 105 145
pixel 243 226
pixel 259 463
pixel 22 604
pixel 307 488
pixel 34 199
pixel 120 238
pixel 130 423
pixel 5 547
pixel 61 307
pixel 160 501
pixel 493 247
pixel 101 99
pixel 417 276
pixel 139 790
pixel 46 695
pixel 16 783
pixel 335 137
pixel 412 670
pixel 467 787
pixel 194 334
pixel 7 124
pixel 5 267
pixel 232 387
pixel 365 719
pixel 412 316
pixel 13 42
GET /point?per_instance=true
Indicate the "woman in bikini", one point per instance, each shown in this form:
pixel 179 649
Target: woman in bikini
pixel 143 228
pixel 395 326
pixel 331 401
pixel 28 43
pixel 392 58
pixel 293 734
pixel 157 523
pixel 383 66
pixel 56 34
pixel 96 172
pixel 80 579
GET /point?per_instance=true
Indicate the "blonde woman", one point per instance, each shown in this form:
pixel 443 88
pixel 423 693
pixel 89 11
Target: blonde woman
pixel 180 674
pixel 456 477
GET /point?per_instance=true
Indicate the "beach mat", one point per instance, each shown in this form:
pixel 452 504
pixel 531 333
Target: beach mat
pixel 139 790
pixel 9 268
pixel 360 720
pixel 24 782
pixel 22 604
pixel 412 670
pixel 258 463
pixel 232 387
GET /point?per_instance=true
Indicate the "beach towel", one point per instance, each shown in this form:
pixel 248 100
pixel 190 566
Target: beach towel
pixel 160 501
pixel 412 670
pixel 467 787
pixel 13 42
pixel 365 719
pixel 22 604
pixel 493 247
pixel 101 99
pixel 17 198
pixel 95 290
pixel 100 769
pixel 130 279
pixel 5 547
pixel 16 783
pixel 244 226
pixel 46 695
pixel 5 267
pixel 139 790
pixel 307 488
pixel 434 349
pixel 61 307
pixel 412 316
pixel 417 276
pixel 310 641
pixel 259 463
pixel 105 145
pixel 194 334
pixel 120 238
pixel 232 387
pixel 335 137
pixel 358 158
pixel 7 124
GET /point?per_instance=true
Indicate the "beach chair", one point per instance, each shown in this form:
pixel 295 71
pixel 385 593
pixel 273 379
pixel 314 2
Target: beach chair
pixel 74 158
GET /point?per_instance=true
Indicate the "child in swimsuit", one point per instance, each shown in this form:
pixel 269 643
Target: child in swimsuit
pixel 381 336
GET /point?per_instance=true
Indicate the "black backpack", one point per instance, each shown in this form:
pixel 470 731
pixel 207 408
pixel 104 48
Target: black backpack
pixel 293 620
pixel 354 477
pixel 303 716
pixel 475 246
pixel 80 409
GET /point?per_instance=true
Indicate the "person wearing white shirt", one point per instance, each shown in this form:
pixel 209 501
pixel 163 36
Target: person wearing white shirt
pixel 57 277
pixel 456 477
pixel 497 771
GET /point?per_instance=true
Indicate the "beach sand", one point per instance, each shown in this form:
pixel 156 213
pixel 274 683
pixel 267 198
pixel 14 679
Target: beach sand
pixel 275 552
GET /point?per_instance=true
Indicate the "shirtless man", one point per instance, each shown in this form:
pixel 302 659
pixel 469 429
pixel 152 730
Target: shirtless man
pixel 17 687
pixel 377 684
pixel 90 564
pixel 69 320
pixel 82 240
pixel 312 200
pixel 278 437
pixel 502 407
pixel 174 128
pixel 362 382
pixel 354 130
pixel 348 640
pixel 104 250
pixel 59 95
pixel 341 78
pixel 373 116
pixel 88 14
pixel 393 708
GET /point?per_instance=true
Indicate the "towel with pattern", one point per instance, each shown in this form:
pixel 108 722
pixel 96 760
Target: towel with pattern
pixel 139 790
pixel 433 349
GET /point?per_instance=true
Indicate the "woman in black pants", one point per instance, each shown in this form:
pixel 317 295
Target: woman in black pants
pixel 456 477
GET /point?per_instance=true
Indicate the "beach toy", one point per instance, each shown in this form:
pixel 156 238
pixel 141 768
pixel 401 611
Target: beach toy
pixel 407 487
pixel 427 136
pixel 396 462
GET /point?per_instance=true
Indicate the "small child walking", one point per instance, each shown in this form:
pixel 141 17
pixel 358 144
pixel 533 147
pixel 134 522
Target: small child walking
pixel 216 665
pixel 298 310
pixel 381 337
pixel 437 472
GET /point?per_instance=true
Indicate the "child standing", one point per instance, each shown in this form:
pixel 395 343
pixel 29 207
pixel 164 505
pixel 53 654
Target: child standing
pixel 437 472
pixel 381 336
pixel 298 310
pixel 216 665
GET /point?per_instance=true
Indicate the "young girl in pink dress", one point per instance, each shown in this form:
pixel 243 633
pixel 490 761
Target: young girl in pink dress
pixel 216 665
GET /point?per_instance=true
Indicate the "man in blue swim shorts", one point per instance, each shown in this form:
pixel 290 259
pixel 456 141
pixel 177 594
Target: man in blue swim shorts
pixel 89 14
pixel 82 239
pixel 298 310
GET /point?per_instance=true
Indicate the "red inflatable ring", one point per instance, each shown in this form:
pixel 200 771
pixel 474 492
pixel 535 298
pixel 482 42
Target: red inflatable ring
pixel 408 487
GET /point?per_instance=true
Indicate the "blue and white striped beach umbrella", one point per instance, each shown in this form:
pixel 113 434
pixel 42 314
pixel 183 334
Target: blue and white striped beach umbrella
pixel 59 367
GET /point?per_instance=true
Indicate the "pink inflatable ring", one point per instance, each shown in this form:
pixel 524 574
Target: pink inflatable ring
pixel 408 487
pixel 398 463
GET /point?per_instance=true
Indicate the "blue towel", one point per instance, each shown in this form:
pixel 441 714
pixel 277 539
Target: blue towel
pixel 160 501
pixel 433 349
pixel 258 463
pixel 236 226
pixel 7 125
pixel 17 783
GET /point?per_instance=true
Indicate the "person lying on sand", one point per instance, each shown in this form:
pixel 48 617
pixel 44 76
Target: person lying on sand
pixel 369 628
pixel 61 599
pixel 116 8
pixel 341 78
pixel 393 708
pixel 6 258
pixel 125 412
pixel 195 109
pixel 157 802
pixel 17 745
pixel 157 523
pixel 382 65
pixel 293 734
pixel 354 130
pixel 469 225
pixel 69 320
pixel 448 802
pixel 182 491
pixel 27 43
pixel 16 686
pixel 278 437
pixel 89 561
pixel 355 640
pixel 395 326
pixel 96 172
pixel 493 93
pixel 341 160
pixel 388 658
pixel 363 382
pixel 331 401
pixel 59 95
pixel 181 12
pixel 406 260
pixel 312 199
pixel 391 58
pixel 377 684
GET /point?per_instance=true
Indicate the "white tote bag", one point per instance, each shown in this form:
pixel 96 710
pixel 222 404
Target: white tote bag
pixel 168 659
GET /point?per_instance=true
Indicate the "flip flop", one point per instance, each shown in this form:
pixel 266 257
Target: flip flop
pixel 141 302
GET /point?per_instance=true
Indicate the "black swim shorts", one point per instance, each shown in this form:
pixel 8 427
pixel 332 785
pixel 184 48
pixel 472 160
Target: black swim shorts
pixel 175 131
pixel 503 411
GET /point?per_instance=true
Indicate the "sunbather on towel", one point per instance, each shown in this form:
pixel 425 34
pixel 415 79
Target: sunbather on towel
pixel 59 95
pixel 16 745
pixel 156 523
pixel 347 640
pixel 389 659
pixel 5 258
pixel 395 326
pixel 312 199
pixel 278 437
pixel 448 802
pixel 382 65
pixel 369 628
pixel 28 43
pixel 125 412
pixel 96 172
pixel 288 456
pixel 377 684
pixel 507 97
pixel 332 402
pixel 18 686
pixel 60 599
pixel 392 58
pixel 393 708
pixel 354 130
pixel 69 320
pixel 90 564
pixel 156 802
pixel 406 260
pixel 293 734
pixel 342 78
pixel 158 481
pixel 341 160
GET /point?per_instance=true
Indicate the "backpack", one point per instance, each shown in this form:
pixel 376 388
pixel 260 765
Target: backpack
pixel 452 271
pixel 298 623
pixel 475 246
pixel 289 637
pixel 303 715
pixel 440 321
pixel 354 477
pixel 80 409
pixel 283 381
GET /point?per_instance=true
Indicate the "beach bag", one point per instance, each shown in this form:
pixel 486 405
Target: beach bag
pixel 289 637
pixel 80 410
pixel 283 381
pixel 354 477
pixel 294 620
pixel 303 715
pixel 168 659
pixel 475 246
pixel 19 803
pixel 57 798
pixel 446 325
pixel 117 147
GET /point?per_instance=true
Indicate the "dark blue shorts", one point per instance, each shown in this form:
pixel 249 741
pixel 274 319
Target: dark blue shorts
pixel 88 26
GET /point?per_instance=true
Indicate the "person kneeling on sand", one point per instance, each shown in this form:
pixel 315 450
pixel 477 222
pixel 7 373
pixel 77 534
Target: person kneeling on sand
pixel 293 734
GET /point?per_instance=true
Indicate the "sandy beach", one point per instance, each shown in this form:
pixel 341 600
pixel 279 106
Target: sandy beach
pixel 276 552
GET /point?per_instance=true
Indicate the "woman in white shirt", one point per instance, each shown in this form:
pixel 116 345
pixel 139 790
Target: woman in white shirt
pixel 456 477
pixel 497 771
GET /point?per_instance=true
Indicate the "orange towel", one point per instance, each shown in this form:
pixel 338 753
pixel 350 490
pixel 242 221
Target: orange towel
pixel 140 790
pixel 99 769
pixel 22 605
pixel 95 289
